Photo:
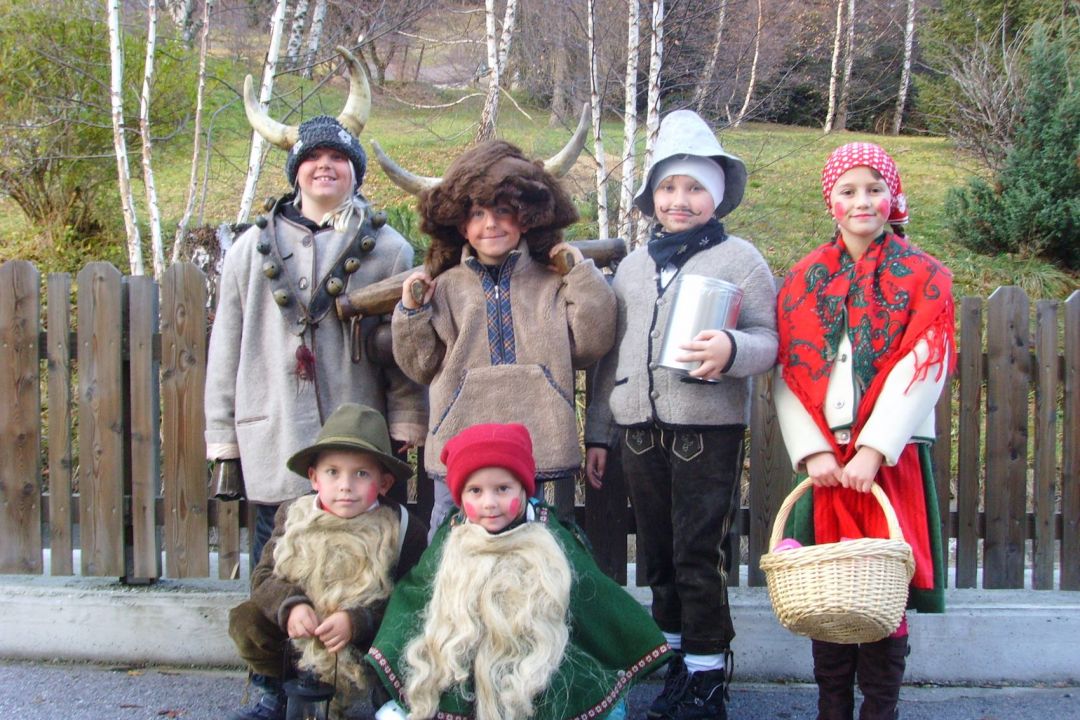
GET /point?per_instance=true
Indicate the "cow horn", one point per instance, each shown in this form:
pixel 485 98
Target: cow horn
pixel 358 107
pixel 407 181
pixel 561 163
pixel 276 133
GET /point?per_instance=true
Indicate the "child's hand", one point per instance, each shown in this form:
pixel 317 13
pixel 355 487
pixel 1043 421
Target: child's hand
pixel 595 464
pixel 711 348
pixel 859 474
pixel 560 264
pixel 335 632
pixel 823 469
pixel 302 621
pixel 408 299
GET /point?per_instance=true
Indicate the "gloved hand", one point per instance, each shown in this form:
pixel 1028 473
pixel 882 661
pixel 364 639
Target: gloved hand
pixel 227 480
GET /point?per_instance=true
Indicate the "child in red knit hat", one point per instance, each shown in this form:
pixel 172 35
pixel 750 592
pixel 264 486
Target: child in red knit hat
pixel 507 615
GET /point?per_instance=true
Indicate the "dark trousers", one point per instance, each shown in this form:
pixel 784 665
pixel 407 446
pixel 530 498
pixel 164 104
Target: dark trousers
pixel 264 527
pixel 259 641
pixel 683 485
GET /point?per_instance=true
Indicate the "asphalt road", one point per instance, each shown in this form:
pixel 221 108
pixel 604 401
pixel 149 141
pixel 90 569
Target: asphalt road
pixel 43 691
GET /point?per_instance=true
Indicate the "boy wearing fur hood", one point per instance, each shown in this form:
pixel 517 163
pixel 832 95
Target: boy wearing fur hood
pixel 330 564
pixel 499 333
pixel 680 437
pixel 507 616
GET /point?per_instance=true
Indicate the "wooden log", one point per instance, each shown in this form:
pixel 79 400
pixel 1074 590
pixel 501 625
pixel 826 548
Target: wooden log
pixel 183 361
pixel 20 419
pixel 381 297
pixel 101 420
pixel 969 457
pixel 1007 384
pixel 1046 393
pixel 145 462
pixel 58 357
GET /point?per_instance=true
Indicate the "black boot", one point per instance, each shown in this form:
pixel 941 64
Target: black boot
pixel 706 694
pixel 675 683
pixel 269 701
pixel 881 672
pixel 834 672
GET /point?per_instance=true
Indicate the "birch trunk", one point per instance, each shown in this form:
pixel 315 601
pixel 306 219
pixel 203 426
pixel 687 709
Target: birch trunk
pixel 598 140
pixel 753 69
pixel 705 83
pixel 652 118
pixel 277 24
pixel 626 193
pixel 835 68
pixel 157 247
pixel 314 36
pixel 181 12
pixel 296 33
pixel 905 73
pixel 200 91
pixel 849 57
pixel 123 171
pixel 498 48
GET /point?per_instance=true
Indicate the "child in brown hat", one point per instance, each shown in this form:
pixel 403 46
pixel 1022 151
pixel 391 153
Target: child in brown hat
pixel 330 564
pixel 507 615
pixel 499 333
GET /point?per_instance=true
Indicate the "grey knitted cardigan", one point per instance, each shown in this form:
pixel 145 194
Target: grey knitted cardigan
pixel 633 390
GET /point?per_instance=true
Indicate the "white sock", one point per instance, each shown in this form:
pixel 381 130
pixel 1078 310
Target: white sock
pixel 704 663
pixel 674 640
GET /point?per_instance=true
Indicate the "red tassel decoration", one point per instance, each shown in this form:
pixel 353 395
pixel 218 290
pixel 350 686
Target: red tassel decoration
pixel 305 363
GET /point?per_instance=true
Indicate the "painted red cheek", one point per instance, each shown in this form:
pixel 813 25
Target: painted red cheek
pixel 515 507
pixel 838 210
pixel 883 207
pixel 470 511
pixel 372 494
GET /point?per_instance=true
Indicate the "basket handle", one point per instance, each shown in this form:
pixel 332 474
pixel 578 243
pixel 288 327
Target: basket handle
pixel 895 533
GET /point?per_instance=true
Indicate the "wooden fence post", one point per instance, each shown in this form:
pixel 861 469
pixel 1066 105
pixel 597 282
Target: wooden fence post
pixel 1007 383
pixel 969 465
pixel 58 354
pixel 183 361
pixel 20 416
pixel 101 420
pixel 770 473
pixel 145 446
pixel 1070 461
pixel 1046 392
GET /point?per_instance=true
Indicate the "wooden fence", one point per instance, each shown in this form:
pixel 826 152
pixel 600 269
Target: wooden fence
pixel 114 450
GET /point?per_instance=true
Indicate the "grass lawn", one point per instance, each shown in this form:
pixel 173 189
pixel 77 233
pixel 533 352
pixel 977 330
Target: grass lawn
pixel 782 211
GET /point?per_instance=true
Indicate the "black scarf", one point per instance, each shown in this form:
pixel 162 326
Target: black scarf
pixel 677 248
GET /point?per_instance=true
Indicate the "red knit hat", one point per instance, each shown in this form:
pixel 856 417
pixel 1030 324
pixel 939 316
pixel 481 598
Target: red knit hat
pixel 490 445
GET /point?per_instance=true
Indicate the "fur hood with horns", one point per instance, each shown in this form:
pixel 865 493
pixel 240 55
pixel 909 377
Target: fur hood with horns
pixel 494 172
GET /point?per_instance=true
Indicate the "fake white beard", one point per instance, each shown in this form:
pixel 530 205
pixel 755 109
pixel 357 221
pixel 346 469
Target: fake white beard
pixel 341 564
pixel 498 615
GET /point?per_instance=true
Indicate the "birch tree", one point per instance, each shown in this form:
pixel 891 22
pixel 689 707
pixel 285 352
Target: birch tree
pixel 123 171
pixel 153 211
pixel 704 83
pixel 753 68
pixel 626 192
pixel 905 72
pixel 277 24
pixel 834 69
pixel 314 36
pixel 652 117
pixel 182 12
pixel 200 91
pixel 598 140
pixel 849 58
pixel 498 48
pixel 296 33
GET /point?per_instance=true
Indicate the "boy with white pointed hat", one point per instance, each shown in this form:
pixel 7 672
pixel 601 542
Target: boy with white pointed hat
pixel 680 436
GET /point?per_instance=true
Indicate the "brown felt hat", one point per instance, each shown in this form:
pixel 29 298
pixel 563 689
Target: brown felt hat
pixel 353 427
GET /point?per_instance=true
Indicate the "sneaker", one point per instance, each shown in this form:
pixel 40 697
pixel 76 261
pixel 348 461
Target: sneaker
pixel 675 683
pixel 704 697
pixel 270 705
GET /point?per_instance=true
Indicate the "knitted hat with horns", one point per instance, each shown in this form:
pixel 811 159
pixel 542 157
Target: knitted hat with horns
pixel 323 131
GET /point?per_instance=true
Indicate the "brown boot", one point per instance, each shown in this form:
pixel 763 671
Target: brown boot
pixel 834 671
pixel 881 672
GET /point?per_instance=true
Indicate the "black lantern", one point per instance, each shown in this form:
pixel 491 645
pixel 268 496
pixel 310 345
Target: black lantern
pixel 309 699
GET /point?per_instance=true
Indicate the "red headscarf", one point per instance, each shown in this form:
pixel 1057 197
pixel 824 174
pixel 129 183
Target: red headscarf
pixel 858 154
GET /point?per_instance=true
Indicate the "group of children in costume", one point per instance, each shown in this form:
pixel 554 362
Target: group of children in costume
pixel 505 614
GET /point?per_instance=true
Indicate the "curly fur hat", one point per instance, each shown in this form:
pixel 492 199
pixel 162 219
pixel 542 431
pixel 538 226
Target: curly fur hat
pixel 494 172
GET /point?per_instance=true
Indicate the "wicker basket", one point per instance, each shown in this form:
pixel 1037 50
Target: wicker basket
pixel 852 591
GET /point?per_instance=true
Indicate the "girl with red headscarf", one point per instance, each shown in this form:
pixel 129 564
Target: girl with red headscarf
pixel 866 340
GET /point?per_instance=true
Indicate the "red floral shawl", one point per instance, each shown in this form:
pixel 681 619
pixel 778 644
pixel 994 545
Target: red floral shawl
pixel 888 300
